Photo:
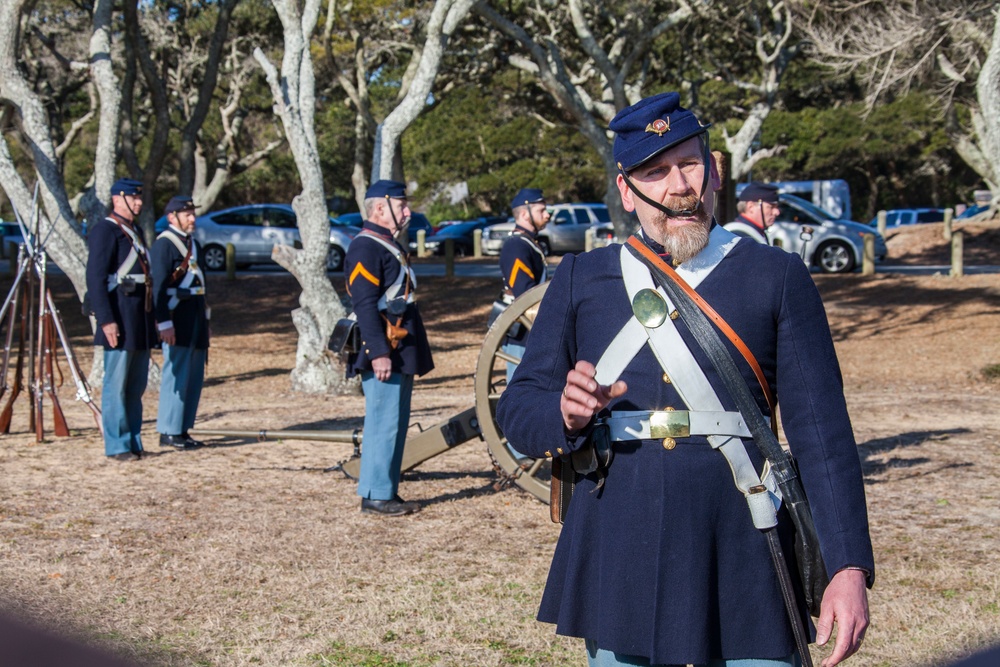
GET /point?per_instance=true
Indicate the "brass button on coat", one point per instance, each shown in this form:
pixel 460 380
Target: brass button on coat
pixel 669 443
pixel 666 378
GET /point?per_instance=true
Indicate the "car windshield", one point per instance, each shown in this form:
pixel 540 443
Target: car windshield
pixel 808 207
pixel 602 213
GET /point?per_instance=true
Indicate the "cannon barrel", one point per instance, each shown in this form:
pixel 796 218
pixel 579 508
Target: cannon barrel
pixel 348 437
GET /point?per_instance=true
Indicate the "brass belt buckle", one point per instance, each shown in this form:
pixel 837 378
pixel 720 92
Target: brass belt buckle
pixel 669 424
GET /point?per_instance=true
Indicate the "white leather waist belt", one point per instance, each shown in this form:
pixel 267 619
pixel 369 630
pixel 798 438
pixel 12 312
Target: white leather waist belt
pixel 659 424
pixel 193 291
pixel 114 280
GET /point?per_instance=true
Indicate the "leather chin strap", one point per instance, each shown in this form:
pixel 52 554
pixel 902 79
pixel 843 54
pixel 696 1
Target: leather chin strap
pixel 395 222
pixel 531 218
pixel 685 213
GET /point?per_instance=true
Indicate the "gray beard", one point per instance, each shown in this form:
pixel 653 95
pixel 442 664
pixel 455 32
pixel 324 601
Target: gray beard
pixel 683 243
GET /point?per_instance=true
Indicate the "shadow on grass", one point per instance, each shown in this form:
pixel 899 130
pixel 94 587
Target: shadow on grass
pixel 872 448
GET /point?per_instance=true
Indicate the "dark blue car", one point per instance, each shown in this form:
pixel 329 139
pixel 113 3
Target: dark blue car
pixel 461 235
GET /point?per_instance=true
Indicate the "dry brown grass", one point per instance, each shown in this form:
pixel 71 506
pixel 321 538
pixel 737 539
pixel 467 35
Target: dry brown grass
pixel 251 553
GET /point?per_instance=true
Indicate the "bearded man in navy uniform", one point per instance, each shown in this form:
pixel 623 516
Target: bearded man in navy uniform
pixel 119 286
pixel 758 208
pixel 394 344
pixel 659 562
pixel 182 320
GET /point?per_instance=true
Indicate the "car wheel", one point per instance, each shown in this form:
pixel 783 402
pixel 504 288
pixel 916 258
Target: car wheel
pixel 335 259
pixel 543 243
pixel 835 257
pixel 214 258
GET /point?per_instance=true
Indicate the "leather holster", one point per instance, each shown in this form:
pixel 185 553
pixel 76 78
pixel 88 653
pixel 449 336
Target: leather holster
pixel 594 457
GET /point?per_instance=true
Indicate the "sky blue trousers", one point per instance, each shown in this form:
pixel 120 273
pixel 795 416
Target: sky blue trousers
pixel 125 375
pixel 180 388
pixel 387 416
pixel 598 657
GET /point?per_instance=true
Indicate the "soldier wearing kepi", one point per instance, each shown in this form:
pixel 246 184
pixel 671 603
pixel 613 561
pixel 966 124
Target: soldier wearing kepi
pixel 665 556
pixel 758 208
pixel 119 286
pixel 395 349
pixel 182 320
pixel 522 260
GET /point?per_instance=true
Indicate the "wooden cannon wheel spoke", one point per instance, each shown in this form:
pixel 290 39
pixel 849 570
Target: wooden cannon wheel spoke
pixel 532 475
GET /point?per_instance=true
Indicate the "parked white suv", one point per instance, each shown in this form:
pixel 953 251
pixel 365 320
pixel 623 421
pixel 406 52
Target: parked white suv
pixel 566 231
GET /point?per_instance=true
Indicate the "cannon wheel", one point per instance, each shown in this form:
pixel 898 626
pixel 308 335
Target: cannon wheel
pixel 532 475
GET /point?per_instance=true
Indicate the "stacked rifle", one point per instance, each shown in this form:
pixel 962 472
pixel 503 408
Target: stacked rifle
pixel 30 310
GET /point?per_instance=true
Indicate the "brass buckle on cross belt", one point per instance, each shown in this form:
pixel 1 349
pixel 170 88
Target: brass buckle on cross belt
pixel 669 424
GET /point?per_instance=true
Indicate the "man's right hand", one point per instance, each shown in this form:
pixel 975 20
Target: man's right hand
pixel 169 336
pixel 582 397
pixel 382 367
pixel 111 333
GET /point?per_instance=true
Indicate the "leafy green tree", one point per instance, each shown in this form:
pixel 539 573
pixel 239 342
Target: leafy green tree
pixel 899 155
pixel 498 139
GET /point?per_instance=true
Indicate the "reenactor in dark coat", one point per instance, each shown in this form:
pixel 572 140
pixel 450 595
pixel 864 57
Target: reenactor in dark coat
pixel 758 208
pixel 395 348
pixel 182 320
pixel 522 260
pixel 662 558
pixel 119 286
pixel 522 264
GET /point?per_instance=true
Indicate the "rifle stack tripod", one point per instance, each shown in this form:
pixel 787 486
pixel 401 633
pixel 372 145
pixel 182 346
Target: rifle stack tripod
pixel 31 311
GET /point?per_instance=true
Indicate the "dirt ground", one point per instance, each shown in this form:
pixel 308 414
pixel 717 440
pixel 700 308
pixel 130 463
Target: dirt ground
pixel 254 553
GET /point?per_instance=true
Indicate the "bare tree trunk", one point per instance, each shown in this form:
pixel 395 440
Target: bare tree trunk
pixel 985 121
pixel 445 18
pixel 189 137
pixel 94 203
pixel 161 130
pixel 65 245
pixel 294 103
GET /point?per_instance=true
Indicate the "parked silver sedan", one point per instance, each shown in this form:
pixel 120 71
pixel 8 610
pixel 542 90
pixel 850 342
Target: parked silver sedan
pixel 833 246
pixel 254 230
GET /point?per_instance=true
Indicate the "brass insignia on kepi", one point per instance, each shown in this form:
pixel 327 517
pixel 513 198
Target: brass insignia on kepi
pixel 659 126
pixel 649 308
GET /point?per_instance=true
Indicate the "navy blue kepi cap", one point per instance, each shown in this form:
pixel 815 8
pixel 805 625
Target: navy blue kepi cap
pixel 126 186
pixel 179 203
pixel 384 188
pixel 764 192
pixel 527 196
pixel 651 126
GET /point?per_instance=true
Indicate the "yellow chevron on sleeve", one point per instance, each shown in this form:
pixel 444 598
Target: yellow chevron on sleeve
pixel 359 269
pixel 519 266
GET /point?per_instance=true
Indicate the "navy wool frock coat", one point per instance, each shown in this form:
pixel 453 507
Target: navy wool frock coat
pixel 664 561
pixel 371 269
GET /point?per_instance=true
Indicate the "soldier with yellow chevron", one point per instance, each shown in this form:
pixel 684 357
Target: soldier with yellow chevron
pixel 394 344
pixel 522 261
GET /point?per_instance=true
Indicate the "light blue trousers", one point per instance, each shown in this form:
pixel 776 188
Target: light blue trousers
pixel 387 416
pixel 598 657
pixel 180 388
pixel 125 375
